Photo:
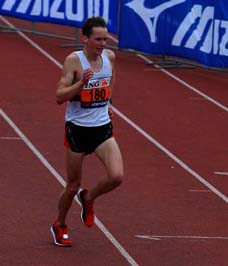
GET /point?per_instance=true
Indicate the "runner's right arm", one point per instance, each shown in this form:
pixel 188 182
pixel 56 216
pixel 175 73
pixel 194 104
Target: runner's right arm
pixel 72 81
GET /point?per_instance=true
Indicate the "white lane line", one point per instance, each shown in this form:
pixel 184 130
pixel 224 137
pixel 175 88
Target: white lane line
pixel 32 147
pixel 151 69
pixel 187 85
pixel 199 190
pixel 172 156
pixel 182 81
pixel 99 224
pixel 46 54
pixel 146 135
pixel 9 138
pixel 158 237
pixel 196 90
pixel 197 98
pixel 126 119
pixel 139 55
pixel 221 173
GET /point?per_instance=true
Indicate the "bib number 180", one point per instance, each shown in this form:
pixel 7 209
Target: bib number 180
pixel 95 94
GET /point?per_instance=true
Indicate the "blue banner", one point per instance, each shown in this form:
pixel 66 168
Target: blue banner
pixel 68 12
pixel 193 29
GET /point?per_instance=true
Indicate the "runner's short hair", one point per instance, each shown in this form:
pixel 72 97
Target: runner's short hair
pixel 88 25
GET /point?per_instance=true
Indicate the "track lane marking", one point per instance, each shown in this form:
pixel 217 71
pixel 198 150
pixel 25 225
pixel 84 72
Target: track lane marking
pixel 46 54
pixel 159 237
pixel 151 139
pixel 200 190
pixel 51 169
pixel 9 138
pixel 136 127
pixel 187 85
pixel 171 155
pixel 221 173
pixel 139 55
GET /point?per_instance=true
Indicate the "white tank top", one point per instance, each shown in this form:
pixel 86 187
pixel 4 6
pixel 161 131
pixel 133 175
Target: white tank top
pixel 92 107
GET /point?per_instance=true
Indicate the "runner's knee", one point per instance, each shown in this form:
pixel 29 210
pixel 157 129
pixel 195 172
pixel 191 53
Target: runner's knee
pixel 116 180
pixel 72 188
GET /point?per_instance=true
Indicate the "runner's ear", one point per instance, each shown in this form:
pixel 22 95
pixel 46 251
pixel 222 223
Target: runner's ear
pixel 84 39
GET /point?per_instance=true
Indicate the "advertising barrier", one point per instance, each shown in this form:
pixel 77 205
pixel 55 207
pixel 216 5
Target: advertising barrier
pixel 67 12
pixel 193 29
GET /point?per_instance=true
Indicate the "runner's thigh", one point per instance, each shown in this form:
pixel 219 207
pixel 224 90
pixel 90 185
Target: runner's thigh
pixel 109 153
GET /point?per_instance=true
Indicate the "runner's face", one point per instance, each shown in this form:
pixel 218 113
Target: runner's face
pixel 97 40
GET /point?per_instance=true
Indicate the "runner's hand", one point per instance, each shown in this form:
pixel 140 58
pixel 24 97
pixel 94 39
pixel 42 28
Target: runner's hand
pixel 110 113
pixel 87 74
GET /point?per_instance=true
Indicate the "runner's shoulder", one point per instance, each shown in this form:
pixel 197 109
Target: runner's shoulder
pixel 72 60
pixel 110 54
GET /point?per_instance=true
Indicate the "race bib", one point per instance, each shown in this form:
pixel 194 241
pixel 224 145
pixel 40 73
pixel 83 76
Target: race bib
pixel 96 94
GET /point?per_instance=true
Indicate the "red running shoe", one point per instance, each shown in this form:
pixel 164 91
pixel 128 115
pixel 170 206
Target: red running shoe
pixel 60 235
pixel 87 212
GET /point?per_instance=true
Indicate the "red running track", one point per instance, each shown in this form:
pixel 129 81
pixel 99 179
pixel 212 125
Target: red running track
pixel 172 207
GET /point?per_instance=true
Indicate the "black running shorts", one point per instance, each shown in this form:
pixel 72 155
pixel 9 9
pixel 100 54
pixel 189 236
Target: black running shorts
pixel 86 139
